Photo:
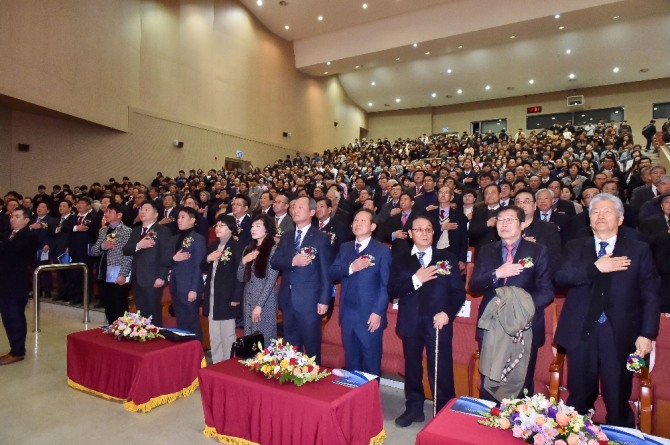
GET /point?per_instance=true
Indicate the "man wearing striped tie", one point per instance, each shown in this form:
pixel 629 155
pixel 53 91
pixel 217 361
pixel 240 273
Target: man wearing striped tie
pixel 611 311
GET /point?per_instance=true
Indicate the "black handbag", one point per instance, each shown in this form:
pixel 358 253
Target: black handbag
pixel 247 346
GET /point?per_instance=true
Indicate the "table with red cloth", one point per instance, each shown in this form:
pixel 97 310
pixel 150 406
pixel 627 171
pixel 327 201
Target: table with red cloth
pixel 242 406
pixel 143 375
pixel 455 428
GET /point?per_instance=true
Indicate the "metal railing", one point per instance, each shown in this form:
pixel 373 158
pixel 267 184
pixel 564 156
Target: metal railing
pixel 36 288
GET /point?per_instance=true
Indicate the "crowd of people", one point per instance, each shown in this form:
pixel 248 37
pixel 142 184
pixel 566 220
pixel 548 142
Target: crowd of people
pixel 580 208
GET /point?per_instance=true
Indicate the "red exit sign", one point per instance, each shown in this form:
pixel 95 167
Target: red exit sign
pixel 531 110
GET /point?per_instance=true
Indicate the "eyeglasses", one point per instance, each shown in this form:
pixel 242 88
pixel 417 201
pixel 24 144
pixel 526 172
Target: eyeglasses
pixel 427 230
pixel 524 202
pixel 219 226
pixel 506 220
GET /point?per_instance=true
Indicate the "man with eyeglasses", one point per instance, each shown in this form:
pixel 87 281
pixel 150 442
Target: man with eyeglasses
pixel 514 261
pixel 430 293
pixel 537 231
pixel 283 221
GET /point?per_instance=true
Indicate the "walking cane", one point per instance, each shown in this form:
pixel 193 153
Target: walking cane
pixel 437 337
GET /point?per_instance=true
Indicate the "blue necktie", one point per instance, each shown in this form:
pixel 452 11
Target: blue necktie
pixel 421 255
pixel 358 248
pixel 298 237
pixel 603 244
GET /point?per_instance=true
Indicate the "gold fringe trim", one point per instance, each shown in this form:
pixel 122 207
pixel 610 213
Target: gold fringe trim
pixel 230 440
pixel 76 385
pixel 161 400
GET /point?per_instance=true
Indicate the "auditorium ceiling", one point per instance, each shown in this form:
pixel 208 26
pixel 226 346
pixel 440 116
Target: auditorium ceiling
pixel 399 54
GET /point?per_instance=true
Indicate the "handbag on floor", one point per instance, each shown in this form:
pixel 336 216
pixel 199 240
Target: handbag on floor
pixel 248 345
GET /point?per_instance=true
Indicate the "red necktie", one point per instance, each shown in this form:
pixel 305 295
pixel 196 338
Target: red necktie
pixel 80 220
pixel 12 235
pixel 510 257
pixel 442 214
pixel 321 225
pixel 144 232
pixel 403 218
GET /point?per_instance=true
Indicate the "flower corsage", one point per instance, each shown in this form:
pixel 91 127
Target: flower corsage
pixel 332 237
pixel 527 262
pixel 635 362
pixel 187 242
pixel 443 268
pixel 111 236
pixel 309 251
pixel 370 258
pixel 226 255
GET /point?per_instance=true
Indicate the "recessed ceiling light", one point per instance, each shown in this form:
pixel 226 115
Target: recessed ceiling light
pixel 325 72
pixel 583 115
pixel 568 51
pixel 415 45
pixel 397 99
pixel 365 6
pixel 327 63
pixel 449 71
pixel 358 66
pixel 531 81
pixel 286 27
pixel 459 91
pixel 320 18
pixel 615 17
pixel 259 2
pixel 512 37
pixel 553 118
pixel 487 87
pixel 373 83
pixel 460 47
pixel 615 69
pixel 427 53
pixel 369 104
pixel 434 95
pixel 561 27
pixel 571 76
pixel 397 58
pixel 557 16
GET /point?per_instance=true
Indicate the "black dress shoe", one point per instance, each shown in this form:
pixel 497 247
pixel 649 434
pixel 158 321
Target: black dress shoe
pixel 76 302
pixel 409 417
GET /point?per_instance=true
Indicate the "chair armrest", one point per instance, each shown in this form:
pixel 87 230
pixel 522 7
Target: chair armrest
pixel 646 398
pixel 474 382
pixel 556 375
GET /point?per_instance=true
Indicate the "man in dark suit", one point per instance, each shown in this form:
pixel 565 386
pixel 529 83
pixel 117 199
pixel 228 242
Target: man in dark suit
pixel 240 207
pixel 44 226
pixel 657 224
pixel 499 264
pixel 282 220
pixel 151 248
pixel 16 254
pixel 611 310
pixel 451 227
pixel 390 207
pixel 84 234
pixel 430 293
pixel 544 199
pixel 363 267
pixel 305 288
pixel 427 201
pixel 560 205
pixel 483 224
pixel 537 231
pixel 168 216
pixel 339 213
pixel 337 232
pixel 264 205
pixel 653 206
pixel 396 228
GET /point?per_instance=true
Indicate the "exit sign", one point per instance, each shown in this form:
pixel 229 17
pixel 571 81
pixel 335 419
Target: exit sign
pixel 531 110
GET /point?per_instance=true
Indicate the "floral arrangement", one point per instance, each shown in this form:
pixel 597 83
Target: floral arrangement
pixel 526 263
pixel 370 258
pixel 187 242
pixel 151 234
pixel 309 251
pixel 635 362
pixel 226 255
pixel 44 225
pixel 279 232
pixel 134 327
pixel 540 421
pixel 443 268
pixel 283 362
pixel 111 236
pixel 332 236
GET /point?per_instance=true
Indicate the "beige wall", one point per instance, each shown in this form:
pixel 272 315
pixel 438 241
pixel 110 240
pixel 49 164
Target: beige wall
pixel 5 149
pixel 636 98
pixel 207 67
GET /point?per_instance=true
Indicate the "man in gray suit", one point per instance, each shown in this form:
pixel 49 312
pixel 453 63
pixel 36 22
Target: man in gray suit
pixel 150 247
pixel 283 221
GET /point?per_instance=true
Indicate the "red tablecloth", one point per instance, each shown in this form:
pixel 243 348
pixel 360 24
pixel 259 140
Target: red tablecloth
pixel 143 375
pixel 453 428
pixel 241 404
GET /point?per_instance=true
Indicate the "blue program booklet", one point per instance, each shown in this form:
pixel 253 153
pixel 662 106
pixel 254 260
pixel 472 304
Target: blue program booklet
pixel 472 406
pixel 353 379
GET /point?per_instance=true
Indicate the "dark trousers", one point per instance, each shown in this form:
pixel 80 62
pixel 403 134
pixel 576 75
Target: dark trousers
pixel 148 302
pixel 115 300
pixel 12 309
pixel 649 141
pixel 595 360
pixel 186 312
pixel 413 350
pixel 528 383
pixel 362 349
pixel 303 330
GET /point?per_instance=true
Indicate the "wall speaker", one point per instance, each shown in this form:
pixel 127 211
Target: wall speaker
pixel 178 143
pixel 24 147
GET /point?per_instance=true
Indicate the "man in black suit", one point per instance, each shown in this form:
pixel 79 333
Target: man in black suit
pixel 611 311
pixel 580 221
pixel 499 264
pixel 396 228
pixel 653 206
pixel 430 294
pixel 657 224
pixel 417 189
pixel 645 193
pixel 240 207
pixel 392 206
pixel 16 254
pixel 339 213
pixel 537 231
pixel 427 201
pixel 451 227
pixel 337 232
pixel 545 199
pixel 151 248
pixel 84 234
pixel 483 224
pixel 560 205
pixel 264 205
pixel 168 217
pixel 306 286
pixel 44 227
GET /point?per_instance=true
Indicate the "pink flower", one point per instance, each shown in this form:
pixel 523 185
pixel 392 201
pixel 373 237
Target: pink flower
pixel 593 442
pixel 517 431
pixel 540 420
pixel 560 442
pixel 505 423
pixel 602 436
pixel 562 420
pixel 523 408
pixel 539 439
pixel 573 439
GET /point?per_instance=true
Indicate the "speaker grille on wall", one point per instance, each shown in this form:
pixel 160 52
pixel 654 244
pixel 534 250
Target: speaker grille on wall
pixel 24 147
